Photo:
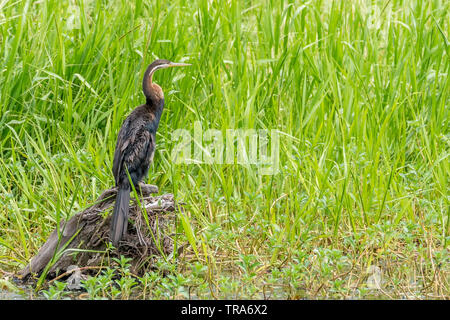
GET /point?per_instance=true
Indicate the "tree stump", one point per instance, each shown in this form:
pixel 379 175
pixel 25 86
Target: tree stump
pixel 84 239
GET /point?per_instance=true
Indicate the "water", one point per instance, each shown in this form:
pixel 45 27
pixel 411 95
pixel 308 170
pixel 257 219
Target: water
pixel 6 295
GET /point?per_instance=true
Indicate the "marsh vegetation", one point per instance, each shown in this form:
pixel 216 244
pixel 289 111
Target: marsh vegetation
pixel 358 92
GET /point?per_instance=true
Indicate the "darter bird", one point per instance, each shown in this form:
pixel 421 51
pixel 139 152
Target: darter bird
pixel 136 146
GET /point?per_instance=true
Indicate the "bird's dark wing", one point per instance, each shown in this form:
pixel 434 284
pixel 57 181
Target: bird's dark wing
pixel 135 147
pixel 122 142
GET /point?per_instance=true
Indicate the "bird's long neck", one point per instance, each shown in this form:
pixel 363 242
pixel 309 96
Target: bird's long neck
pixel 153 93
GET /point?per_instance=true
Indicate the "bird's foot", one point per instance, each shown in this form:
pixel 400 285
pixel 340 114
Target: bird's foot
pixel 147 188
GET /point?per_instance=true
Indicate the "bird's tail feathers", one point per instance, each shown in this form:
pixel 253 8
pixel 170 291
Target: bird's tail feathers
pixel 119 220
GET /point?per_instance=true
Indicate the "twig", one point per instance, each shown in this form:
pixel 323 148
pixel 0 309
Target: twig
pixel 75 269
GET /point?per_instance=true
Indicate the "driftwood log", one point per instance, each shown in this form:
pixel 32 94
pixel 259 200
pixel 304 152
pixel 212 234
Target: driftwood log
pixel 84 239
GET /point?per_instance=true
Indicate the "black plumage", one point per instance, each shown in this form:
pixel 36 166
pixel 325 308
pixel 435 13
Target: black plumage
pixel 136 146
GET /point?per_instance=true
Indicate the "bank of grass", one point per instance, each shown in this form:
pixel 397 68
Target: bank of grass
pixel 358 90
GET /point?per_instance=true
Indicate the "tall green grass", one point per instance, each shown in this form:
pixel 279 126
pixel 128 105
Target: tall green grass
pixel 358 90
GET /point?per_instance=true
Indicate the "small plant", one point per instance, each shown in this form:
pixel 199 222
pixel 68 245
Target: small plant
pixel 56 291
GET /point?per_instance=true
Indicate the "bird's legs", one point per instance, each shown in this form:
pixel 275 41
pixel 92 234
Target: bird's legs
pixel 147 188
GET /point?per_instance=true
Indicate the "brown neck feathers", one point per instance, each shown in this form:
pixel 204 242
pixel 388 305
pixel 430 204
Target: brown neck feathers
pixel 153 93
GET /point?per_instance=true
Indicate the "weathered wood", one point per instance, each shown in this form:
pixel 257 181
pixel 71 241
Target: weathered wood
pixel 84 239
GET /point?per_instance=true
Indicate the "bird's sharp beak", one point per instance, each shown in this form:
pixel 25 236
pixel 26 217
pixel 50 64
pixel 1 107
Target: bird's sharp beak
pixel 178 64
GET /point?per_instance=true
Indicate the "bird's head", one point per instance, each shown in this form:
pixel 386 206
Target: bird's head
pixel 162 64
pixel 152 89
